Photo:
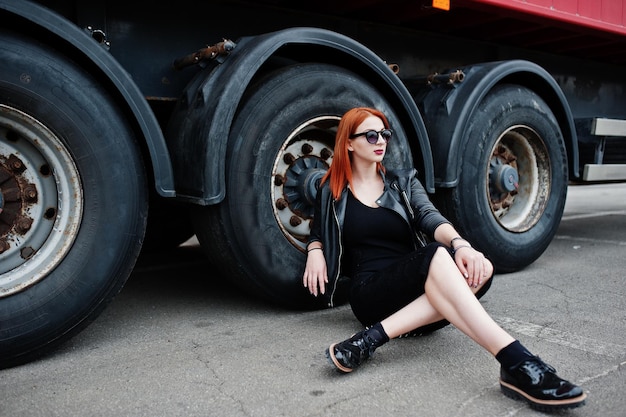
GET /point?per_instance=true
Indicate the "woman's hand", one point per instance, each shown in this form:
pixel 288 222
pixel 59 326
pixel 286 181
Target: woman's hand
pixel 315 276
pixel 473 265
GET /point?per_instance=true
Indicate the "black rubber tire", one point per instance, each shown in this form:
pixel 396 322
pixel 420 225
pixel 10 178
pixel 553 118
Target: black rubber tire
pixel 515 237
pixel 241 234
pixel 58 94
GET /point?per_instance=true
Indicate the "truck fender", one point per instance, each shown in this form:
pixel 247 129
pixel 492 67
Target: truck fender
pixel 447 110
pixel 26 16
pixel 198 139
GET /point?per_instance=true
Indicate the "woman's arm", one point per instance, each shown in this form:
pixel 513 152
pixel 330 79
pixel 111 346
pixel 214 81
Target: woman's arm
pixel 472 263
pixel 315 274
pixel 427 217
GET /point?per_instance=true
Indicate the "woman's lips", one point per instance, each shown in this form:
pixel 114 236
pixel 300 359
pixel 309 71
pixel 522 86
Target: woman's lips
pixel 379 152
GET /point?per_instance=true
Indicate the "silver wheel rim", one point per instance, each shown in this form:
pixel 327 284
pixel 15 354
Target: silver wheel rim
pixel 300 163
pixel 42 201
pixel 519 175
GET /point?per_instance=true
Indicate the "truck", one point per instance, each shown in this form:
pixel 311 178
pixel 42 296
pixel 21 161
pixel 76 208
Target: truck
pixel 133 126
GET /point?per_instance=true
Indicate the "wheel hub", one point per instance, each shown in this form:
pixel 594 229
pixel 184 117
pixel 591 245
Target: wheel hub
pixel 18 196
pixel 300 188
pixel 503 178
pixel 506 178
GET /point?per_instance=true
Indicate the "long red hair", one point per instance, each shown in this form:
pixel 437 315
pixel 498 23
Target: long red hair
pixel 340 172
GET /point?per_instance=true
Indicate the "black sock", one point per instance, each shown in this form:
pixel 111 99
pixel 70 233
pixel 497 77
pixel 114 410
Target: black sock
pixel 512 355
pixel 377 335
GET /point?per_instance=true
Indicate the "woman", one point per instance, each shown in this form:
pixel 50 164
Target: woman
pixel 362 229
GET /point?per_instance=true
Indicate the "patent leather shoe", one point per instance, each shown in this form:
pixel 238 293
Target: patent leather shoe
pixel 349 354
pixel 537 383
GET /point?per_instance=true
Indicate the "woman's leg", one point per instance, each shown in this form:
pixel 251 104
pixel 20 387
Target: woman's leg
pixel 522 375
pixel 350 353
pixel 448 296
pixel 417 314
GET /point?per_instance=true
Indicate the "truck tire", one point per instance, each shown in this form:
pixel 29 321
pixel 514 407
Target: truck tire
pixel 513 178
pixel 279 147
pixel 74 199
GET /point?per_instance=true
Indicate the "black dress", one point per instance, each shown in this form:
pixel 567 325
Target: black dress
pixel 386 272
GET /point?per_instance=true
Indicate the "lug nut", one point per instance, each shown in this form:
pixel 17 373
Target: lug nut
pixel 281 204
pixel 289 158
pixel 23 225
pixel 15 164
pixel 295 221
pixel 30 192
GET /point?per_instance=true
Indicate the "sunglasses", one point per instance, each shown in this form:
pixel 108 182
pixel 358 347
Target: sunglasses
pixel 372 136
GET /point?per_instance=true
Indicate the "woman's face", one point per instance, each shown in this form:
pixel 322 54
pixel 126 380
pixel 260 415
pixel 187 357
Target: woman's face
pixel 361 149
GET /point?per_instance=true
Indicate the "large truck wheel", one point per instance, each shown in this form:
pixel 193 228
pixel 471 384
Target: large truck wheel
pixel 279 147
pixel 513 179
pixel 73 200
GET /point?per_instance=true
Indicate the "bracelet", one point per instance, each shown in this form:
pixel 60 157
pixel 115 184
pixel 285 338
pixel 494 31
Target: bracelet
pixel 309 250
pixel 455 238
pixel 455 250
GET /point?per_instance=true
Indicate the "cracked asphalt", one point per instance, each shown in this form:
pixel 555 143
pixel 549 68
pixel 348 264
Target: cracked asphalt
pixel 181 341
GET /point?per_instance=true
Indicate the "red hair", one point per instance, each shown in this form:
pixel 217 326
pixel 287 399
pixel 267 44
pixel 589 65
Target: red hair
pixel 340 172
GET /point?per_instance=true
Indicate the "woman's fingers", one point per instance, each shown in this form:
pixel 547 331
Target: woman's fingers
pixel 472 265
pixel 322 284
pixel 315 281
pixel 315 276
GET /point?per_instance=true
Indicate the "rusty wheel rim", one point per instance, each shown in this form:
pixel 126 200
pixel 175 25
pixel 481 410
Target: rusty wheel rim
pixel 519 175
pixel 300 163
pixel 41 201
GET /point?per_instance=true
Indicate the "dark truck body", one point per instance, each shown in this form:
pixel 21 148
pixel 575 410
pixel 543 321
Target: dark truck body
pixel 498 104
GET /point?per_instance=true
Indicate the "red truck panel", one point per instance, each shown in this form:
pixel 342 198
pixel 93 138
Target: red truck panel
pixel 587 29
pixel 604 15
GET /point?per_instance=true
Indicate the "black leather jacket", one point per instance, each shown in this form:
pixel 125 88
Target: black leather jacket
pixel 330 213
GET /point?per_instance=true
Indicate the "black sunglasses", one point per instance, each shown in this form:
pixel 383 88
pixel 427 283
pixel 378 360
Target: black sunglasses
pixel 372 136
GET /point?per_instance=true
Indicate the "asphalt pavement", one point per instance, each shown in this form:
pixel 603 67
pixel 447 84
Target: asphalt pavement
pixel 181 341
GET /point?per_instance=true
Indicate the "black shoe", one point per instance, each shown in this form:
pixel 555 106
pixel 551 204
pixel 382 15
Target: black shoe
pixel 537 383
pixel 351 353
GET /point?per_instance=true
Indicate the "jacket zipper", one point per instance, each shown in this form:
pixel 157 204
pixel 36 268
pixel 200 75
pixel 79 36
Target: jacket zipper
pixel 407 203
pixel 336 280
pixel 405 198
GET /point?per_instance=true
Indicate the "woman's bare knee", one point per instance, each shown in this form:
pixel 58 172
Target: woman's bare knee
pixel 488 268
